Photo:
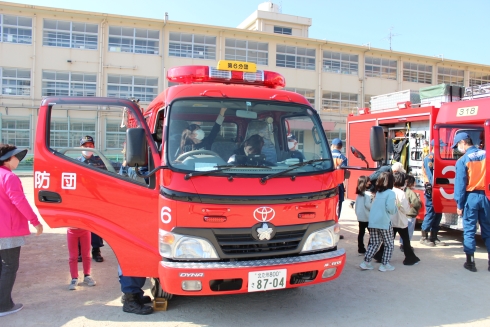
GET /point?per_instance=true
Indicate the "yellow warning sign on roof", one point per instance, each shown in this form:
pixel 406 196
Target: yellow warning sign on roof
pixel 240 66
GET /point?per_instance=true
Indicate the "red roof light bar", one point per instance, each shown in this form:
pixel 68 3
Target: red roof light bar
pixel 207 74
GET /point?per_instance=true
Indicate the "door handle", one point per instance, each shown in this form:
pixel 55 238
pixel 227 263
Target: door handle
pixel 50 197
pixel 442 180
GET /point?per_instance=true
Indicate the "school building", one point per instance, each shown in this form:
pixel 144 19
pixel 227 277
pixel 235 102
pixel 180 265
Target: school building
pixel 59 52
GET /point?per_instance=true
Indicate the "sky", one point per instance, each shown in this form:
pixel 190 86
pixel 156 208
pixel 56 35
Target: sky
pixel 453 29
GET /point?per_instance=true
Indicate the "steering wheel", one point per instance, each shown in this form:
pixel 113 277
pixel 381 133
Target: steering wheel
pixel 183 156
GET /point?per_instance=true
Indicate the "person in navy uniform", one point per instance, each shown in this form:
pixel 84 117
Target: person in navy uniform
pixel 293 148
pixel 89 158
pixel 339 160
pixel 469 194
pixel 432 219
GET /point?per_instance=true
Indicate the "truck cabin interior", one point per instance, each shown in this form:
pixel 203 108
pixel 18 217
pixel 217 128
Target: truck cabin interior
pixel 289 133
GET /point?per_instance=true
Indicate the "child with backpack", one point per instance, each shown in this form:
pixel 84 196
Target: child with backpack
pixel 364 200
pixel 415 205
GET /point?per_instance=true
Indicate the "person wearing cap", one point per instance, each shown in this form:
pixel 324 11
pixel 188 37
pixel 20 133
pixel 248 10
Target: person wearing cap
pixel 339 160
pixel 15 215
pixel 469 194
pixel 293 150
pixel 89 158
pixel 430 225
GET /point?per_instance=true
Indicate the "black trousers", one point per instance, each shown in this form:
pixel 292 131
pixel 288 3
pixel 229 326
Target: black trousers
pixel 8 272
pixel 363 225
pixel 410 257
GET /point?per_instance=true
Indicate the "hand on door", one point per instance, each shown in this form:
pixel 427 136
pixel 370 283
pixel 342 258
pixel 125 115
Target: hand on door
pixel 460 212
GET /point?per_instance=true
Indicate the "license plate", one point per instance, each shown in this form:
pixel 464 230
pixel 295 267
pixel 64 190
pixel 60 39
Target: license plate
pixel 267 280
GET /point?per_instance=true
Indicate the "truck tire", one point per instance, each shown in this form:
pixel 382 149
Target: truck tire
pixel 157 291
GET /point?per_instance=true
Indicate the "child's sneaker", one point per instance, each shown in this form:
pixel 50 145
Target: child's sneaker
pixel 366 265
pixel 386 267
pixel 89 281
pixel 73 284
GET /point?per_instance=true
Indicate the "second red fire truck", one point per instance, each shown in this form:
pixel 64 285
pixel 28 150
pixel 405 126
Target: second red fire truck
pixel 413 127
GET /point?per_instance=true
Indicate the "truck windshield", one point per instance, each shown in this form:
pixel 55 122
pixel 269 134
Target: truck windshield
pixel 245 137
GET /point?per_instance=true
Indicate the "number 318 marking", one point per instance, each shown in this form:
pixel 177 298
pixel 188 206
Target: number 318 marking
pixel 467 111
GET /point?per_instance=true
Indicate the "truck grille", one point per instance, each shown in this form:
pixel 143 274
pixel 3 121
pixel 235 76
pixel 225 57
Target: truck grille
pixel 243 242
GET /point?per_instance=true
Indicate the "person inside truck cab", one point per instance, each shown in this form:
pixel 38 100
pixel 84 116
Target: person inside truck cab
pixel 193 137
pixel 293 148
pixel 89 158
pixel 252 146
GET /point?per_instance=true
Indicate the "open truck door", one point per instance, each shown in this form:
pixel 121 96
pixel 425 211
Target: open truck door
pixel 486 140
pixel 445 158
pixel 71 193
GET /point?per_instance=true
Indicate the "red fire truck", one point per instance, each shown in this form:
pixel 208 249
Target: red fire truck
pixel 417 125
pixel 211 220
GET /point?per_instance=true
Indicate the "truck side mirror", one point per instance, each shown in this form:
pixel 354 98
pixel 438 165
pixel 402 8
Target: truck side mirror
pixel 377 143
pixel 136 147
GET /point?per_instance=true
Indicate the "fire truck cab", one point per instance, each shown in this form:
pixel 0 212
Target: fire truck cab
pixel 201 213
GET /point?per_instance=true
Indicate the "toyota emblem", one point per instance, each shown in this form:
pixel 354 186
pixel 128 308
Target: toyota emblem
pixel 264 214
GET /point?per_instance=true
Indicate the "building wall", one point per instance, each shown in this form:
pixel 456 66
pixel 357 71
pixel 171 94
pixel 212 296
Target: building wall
pixel 335 92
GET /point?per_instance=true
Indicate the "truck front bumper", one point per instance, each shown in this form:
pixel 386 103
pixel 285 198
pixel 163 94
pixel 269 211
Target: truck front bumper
pixel 173 275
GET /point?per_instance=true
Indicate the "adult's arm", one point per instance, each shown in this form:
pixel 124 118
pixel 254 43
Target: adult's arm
pixel 460 183
pixel 14 190
pixel 215 130
pixel 427 169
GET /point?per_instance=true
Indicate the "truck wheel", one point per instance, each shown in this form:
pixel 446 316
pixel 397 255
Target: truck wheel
pixel 157 291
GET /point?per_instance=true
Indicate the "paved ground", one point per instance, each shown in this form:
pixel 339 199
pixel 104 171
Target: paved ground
pixel 437 292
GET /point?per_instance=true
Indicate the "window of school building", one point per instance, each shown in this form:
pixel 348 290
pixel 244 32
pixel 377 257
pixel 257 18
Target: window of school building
pixel 308 94
pixel 134 40
pixel 378 67
pixel 283 30
pixel 339 104
pixel 479 78
pixel 340 63
pixel 16 131
pixel 115 135
pixel 417 73
pixel 139 87
pixel 249 51
pixel 15 81
pixel 295 57
pixel 15 29
pixel 192 46
pixel 65 34
pixel 60 83
pixel 67 132
pixel 450 76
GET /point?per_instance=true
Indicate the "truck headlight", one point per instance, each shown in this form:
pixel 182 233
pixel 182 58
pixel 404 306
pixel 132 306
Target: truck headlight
pixel 175 246
pixel 322 239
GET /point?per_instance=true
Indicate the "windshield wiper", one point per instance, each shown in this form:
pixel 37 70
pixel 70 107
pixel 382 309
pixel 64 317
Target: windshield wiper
pixel 301 164
pixel 220 168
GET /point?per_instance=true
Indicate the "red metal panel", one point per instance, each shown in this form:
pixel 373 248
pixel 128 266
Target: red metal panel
pixel 358 136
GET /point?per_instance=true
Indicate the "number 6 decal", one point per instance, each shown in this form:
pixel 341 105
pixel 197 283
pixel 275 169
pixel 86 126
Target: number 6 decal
pixel 449 196
pixel 165 215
